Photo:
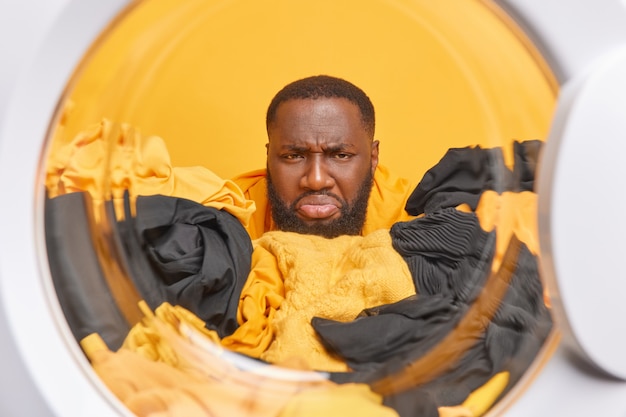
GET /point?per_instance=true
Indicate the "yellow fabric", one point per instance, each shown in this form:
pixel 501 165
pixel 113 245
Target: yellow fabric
pixel 261 297
pixel 106 159
pixel 253 186
pixel 342 400
pixel 194 382
pixel 508 213
pixel 385 206
pixel 146 340
pixel 511 213
pixel 145 387
pixel 315 277
pixel 481 399
pixel 455 411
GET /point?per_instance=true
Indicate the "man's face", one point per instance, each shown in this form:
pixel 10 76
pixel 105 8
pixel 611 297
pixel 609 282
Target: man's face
pixel 320 163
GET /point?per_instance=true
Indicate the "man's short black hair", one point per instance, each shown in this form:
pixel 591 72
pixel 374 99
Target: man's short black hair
pixel 319 86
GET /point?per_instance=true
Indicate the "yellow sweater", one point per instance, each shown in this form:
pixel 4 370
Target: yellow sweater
pixel 297 277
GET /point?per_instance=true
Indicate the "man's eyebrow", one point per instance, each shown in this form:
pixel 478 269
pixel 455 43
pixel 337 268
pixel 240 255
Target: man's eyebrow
pixel 295 148
pixel 339 147
pixel 327 148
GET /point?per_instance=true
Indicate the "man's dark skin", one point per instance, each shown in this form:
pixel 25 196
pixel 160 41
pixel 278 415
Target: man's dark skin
pixel 320 164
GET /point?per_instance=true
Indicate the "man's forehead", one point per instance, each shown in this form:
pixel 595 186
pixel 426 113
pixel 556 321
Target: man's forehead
pixel 323 114
pixel 316 106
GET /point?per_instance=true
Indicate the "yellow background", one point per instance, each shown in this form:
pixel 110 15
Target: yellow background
pixel 200 74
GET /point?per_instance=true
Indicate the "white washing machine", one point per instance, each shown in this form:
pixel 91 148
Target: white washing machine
pixel 581 206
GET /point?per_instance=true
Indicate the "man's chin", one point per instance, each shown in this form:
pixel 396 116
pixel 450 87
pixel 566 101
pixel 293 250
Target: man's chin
pixel 328 228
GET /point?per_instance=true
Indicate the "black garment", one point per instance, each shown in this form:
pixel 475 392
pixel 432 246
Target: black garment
pixel 404 332
pixel 526 158
pixel 463 174
pixel 184 253
pixel 504 319
pixel 447 252
pixel 79 280
pixel 449 257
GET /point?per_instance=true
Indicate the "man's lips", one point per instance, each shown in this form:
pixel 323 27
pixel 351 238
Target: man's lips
pixel 318 207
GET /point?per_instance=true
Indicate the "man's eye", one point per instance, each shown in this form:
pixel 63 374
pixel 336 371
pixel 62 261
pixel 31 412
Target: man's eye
pixel 343 155
pixel 292 156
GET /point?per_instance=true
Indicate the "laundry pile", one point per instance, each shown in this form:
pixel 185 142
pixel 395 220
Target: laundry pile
pixel 440 314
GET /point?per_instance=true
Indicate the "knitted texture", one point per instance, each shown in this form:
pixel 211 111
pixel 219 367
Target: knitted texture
pixel 334 279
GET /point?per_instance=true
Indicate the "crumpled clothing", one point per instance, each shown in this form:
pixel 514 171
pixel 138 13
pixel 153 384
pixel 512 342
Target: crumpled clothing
pixel 448 348
pixel 315 277
pixel 107 159
pixel 469 198
pixel 184 253
pixel 463 174
pixel 171 366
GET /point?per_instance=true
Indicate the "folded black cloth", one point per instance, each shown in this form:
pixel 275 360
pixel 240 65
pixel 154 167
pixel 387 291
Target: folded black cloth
pixel 463 174
pixel 184 253
pixel 449 257
pixel 76 270
pixel 447 252
pixel 386 341
pixel 526 159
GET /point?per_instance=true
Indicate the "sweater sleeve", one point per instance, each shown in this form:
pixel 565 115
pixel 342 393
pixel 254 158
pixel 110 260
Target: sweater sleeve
pixel 260 298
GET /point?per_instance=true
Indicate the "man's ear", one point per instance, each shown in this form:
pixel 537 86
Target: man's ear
pixel 374 155
pixel 267 148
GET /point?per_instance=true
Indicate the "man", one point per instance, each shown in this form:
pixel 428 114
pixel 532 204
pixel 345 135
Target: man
pixel 322 175
pixel 321 157
pixel 324 208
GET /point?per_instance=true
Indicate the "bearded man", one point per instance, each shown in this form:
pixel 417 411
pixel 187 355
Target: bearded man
pixel 322 175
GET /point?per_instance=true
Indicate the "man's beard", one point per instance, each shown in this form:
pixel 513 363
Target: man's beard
pixel 350 221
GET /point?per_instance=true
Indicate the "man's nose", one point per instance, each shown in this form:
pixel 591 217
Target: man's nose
pixel 317 175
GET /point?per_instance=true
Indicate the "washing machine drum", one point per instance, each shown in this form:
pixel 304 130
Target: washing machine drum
pixel 153 211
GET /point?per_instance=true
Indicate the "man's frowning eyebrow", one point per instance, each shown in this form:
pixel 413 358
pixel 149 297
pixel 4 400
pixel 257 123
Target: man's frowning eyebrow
pixel 327 148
